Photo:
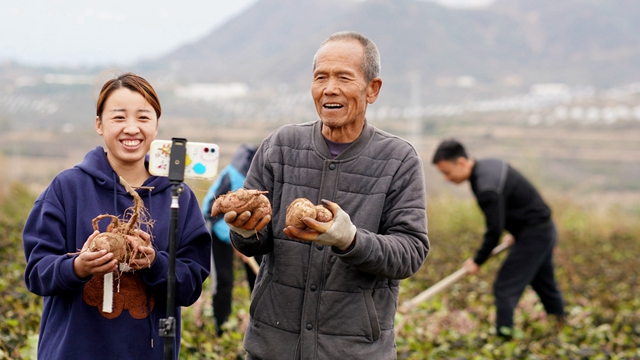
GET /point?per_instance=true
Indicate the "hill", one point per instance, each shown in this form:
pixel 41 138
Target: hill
pixel 506 47
pixel 473 74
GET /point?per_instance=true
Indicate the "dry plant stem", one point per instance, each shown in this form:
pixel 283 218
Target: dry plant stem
pixel 138 213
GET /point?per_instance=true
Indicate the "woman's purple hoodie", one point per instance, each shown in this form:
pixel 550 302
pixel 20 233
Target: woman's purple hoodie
pixel 58 226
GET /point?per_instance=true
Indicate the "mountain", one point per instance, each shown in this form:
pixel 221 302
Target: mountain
pixel 271 41
pixel 508 45
pixel 471 72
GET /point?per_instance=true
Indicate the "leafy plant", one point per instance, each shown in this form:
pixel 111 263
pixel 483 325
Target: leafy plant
pixel 596 268
pixel 19 309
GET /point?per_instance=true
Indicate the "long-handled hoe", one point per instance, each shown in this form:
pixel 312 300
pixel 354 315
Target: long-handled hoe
pixel 436 288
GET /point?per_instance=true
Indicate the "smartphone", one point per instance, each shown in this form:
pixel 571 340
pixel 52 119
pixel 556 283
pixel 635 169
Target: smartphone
pixel 201 159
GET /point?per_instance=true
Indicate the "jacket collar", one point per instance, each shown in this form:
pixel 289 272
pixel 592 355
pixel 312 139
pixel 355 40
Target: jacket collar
pixel 355 149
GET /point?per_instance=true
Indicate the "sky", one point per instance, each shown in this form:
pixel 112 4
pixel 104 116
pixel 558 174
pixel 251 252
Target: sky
pixel 85 32
pixel 113 32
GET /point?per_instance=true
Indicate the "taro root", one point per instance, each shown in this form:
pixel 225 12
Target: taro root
pixel 114 239
pixel 303 207
pixel 113 242
pixel 299 209
pixel 240 201
pixel 323 214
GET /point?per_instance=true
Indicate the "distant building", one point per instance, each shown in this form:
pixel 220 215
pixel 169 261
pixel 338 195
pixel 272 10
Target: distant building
pixel 550 89
pixel 212 91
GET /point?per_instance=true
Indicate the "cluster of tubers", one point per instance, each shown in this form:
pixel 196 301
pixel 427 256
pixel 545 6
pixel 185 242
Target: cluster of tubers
pixel 303 207
pixel 115 240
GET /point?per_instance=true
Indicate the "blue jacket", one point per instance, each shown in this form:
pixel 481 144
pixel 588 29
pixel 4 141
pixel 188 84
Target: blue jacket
pixel 231 178
pixel 60 223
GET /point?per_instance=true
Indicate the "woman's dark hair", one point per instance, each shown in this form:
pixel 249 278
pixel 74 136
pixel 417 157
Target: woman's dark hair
pixel 449 150
pixel 132 82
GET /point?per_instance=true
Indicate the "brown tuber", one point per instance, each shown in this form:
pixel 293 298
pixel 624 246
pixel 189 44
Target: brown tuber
pixel 240 201
pixel 299 209
pixel 114 240
pixel 303 207
pixel 323 214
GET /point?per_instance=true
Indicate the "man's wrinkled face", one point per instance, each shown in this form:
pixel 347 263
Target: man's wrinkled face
pixel 454 171
pixel 339 88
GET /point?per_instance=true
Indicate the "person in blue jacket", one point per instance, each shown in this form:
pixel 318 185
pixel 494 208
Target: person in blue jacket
pixel 231 178
pixel 76 321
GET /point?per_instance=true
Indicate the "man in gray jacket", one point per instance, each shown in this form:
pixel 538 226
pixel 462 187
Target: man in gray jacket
pixel 331 291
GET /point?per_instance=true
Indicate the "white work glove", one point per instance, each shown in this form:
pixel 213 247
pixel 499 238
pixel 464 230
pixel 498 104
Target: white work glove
pixel 339 232
pixel 243 232
pixel 246 224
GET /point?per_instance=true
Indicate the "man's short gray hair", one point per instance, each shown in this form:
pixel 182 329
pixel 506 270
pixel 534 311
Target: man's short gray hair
pixel 371 63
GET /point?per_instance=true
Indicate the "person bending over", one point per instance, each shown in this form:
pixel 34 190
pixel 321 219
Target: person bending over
pixel 509 202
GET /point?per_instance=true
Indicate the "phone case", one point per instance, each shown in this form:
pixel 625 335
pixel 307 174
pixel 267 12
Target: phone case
pixel 201 160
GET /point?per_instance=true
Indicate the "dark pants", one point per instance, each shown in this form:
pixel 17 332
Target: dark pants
pixel 530 262
pixel 223 255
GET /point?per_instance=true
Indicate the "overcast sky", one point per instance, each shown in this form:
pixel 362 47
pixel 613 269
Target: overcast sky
pixel 112 32
pixel 74 32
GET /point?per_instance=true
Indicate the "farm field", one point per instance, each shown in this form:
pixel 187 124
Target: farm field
pixel 587 174
pixel 552 88
pixel 596 261
pixel 595 164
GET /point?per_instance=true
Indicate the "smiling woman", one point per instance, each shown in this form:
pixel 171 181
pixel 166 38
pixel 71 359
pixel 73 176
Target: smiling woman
pixel 127 118
pixel 96 305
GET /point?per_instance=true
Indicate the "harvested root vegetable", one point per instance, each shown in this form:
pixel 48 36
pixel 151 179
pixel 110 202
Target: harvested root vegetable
pixel 240 201
pixel 299 209
pixel 323 214
pixel 303 207
pixel 114 240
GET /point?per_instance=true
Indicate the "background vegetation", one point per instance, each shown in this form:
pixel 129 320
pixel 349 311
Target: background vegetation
pixel 596 261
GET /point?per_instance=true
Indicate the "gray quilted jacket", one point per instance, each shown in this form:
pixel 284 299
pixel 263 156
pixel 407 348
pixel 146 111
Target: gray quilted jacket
pixel 316 302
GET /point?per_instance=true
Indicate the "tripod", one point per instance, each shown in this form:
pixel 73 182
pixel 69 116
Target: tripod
pixel 176 177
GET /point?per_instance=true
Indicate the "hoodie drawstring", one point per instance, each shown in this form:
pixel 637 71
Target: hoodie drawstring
pixel 149 197
pixel 115 193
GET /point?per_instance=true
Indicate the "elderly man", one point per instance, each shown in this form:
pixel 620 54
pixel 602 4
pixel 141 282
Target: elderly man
pixel 331 291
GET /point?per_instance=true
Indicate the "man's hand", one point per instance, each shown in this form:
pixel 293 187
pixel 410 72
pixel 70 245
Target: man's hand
pixel 471 266
pixel 508 239
pixel 339 232
pixel 247 224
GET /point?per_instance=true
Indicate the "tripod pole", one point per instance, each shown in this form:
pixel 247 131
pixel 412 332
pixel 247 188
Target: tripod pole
pixel 176 176
pixel 170 322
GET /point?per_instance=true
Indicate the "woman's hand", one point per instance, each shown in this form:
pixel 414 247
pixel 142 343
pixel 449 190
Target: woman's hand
pixel 147 251
pixel 93 262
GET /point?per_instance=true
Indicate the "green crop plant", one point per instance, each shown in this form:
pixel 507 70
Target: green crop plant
pixel 596 268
